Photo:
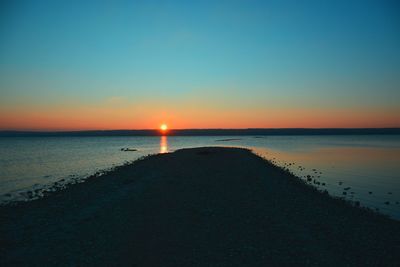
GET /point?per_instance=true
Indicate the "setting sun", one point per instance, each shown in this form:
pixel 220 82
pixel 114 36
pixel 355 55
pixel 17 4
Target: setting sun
pixel 163 127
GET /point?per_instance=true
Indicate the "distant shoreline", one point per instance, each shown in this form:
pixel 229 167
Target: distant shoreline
pixel 209 132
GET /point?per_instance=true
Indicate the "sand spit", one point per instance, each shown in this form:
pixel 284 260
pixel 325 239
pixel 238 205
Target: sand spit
pixel 195 207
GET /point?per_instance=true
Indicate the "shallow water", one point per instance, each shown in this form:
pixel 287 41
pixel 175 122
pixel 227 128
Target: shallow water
pixel 365 168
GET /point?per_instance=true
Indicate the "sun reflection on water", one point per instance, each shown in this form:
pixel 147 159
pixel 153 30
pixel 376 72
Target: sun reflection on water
pixel 163 144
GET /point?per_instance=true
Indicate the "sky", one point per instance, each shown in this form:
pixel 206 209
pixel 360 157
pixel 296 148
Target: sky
pixel 81 65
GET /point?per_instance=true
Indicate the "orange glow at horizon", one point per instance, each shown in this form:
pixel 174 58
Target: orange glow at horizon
pixel 145 117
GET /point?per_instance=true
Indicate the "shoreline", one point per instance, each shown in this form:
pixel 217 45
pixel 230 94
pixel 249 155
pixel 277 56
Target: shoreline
pixel 208 132
pixel 199 206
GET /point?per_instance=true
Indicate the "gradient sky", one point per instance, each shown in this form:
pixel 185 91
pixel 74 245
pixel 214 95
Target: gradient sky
pixel 71 65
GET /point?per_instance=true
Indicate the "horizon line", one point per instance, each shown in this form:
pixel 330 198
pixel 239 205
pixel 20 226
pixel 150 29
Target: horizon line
pixel 195 129
pixel 207 132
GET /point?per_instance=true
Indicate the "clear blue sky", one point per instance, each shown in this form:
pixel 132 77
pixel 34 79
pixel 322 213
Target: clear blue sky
pixel 182 61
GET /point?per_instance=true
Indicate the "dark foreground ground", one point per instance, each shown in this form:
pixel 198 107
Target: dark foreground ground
pixel 195 207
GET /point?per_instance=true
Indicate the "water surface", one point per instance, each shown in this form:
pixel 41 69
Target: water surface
pixel 359 168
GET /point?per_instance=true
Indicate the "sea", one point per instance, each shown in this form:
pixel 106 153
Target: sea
pixel 364 169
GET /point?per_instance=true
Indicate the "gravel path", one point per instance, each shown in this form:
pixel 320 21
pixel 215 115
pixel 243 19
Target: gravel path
pixel 195 207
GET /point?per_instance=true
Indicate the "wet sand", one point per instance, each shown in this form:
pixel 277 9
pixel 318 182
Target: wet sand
pixel 195 207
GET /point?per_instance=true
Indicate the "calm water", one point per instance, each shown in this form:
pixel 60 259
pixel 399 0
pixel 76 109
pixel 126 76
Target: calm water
pixel 359 168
